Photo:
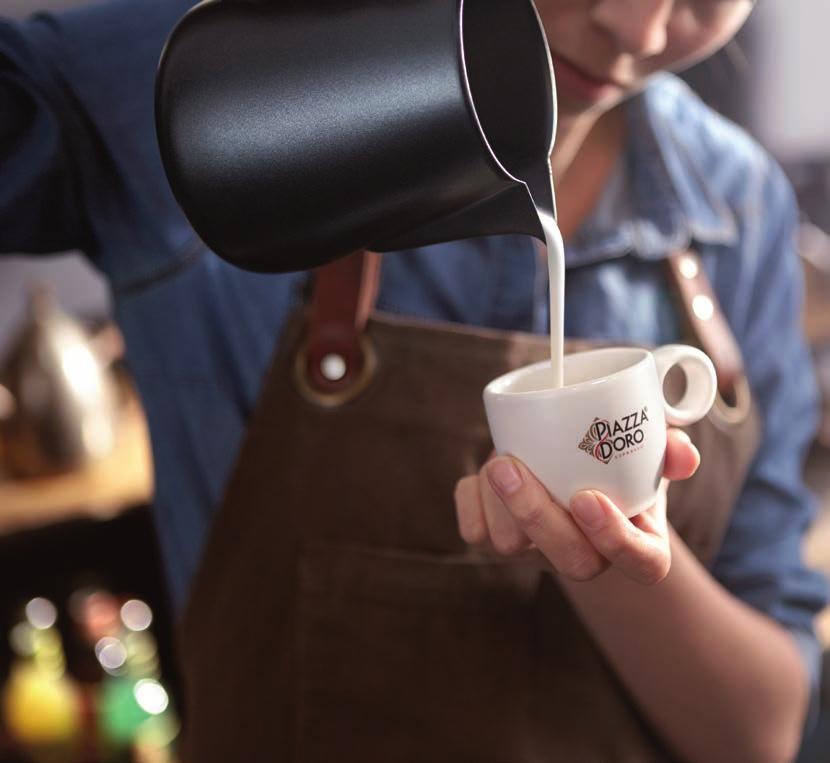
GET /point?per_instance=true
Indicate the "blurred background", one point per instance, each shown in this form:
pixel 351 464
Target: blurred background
pixel 86 648
pixel 82 589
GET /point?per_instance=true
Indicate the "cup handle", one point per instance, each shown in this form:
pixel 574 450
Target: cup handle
pixel 701 382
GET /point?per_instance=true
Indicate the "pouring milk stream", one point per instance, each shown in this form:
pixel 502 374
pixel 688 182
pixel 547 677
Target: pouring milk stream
pixel 540 186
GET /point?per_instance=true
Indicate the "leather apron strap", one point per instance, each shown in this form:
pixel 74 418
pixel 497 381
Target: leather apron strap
pixel 706 323
pixel 727 438
pixel 344 297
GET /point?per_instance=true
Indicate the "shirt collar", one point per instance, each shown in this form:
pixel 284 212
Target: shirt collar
pixel 658 199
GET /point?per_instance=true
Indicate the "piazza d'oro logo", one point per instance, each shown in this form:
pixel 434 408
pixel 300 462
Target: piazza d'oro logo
pixel 606 440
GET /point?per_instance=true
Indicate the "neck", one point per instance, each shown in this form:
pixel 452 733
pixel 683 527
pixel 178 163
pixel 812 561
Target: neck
pixel 571 133
pixel 587 148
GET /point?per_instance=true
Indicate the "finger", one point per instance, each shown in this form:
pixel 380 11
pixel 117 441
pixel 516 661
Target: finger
pixel 641 556
pixel 545 523
pixel 506 536
pixel 651 522
pixel 682 457
pixel 654 520
pixel 469 511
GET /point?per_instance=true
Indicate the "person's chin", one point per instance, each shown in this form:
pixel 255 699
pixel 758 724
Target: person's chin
pixel 579 92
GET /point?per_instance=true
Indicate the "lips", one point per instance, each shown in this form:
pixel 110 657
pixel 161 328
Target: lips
pixel 577 83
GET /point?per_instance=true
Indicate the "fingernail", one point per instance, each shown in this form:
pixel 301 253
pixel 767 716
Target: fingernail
pixel 506 477
pixel 679 433
pixel 587 509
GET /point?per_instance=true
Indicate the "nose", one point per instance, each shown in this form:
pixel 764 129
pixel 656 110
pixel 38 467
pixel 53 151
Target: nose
pixel 637 26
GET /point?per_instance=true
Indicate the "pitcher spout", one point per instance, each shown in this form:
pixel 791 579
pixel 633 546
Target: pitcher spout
pixel 509 211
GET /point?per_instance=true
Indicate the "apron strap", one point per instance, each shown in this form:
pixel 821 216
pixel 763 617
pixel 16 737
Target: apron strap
pixel 336 355
pixel 708 327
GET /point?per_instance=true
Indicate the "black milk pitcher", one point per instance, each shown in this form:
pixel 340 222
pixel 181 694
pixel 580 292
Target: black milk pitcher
pixel 297 131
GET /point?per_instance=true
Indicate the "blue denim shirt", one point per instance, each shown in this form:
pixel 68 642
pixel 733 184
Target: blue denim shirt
pixel 79 168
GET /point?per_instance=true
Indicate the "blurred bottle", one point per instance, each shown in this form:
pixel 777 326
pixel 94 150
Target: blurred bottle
pixel 42 706
pixel 134 717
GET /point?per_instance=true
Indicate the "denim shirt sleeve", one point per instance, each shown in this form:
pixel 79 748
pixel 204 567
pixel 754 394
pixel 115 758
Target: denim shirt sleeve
pixel 761 558
pixel 39 204
pixel 79 162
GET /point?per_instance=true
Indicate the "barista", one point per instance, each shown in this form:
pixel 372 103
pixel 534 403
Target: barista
pixel 642 168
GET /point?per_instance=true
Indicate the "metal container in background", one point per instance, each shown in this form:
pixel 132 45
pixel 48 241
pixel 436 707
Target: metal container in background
pixel 58 396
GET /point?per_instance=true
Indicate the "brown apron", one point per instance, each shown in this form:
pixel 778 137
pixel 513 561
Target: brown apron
pixel 338 615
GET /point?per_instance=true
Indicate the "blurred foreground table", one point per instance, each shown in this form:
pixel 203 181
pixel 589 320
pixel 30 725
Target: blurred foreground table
pixel 102 489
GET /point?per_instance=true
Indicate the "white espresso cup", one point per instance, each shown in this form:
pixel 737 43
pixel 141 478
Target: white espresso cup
pixel 605 429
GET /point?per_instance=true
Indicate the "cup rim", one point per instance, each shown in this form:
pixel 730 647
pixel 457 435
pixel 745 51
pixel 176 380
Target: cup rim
pixel 499 387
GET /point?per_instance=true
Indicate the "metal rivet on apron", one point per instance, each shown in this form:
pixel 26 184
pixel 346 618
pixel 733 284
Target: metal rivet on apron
pixel 689 268
pixel 703 307
pixel 333 367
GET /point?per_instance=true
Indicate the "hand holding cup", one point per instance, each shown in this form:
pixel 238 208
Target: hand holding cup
pixel 583 467
pixel 505 509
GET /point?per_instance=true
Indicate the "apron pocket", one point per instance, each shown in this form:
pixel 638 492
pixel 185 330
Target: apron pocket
pixel 412 657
